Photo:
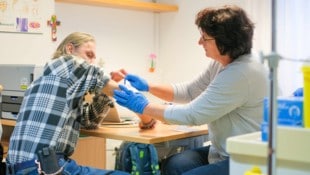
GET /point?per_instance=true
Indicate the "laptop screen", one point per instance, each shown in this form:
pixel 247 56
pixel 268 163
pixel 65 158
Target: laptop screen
pixel 112 116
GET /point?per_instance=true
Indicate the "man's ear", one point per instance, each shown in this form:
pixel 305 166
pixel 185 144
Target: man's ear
pixel 69 48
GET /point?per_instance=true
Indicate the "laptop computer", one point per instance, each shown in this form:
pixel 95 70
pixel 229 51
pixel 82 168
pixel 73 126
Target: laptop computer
pixel 113 118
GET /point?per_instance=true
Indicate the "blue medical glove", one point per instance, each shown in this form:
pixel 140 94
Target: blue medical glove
pixel 299 92
pixel 137 82
pixel 132 100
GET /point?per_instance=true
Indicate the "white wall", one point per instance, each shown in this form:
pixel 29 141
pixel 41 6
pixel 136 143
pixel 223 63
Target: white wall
pixel 124 37
pixel 180 55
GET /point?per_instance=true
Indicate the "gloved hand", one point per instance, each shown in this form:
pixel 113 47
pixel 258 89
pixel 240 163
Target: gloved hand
pixel 132 100
pixel 299 92
pixel 137 82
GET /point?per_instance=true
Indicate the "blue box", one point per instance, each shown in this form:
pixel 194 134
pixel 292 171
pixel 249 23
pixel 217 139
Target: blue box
pixel 265 131
pixel 290 111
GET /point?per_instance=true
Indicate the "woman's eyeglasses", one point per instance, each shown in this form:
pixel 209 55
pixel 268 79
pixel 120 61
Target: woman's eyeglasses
pixel 204 38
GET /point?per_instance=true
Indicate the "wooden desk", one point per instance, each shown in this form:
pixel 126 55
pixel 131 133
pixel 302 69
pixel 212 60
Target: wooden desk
pixel 161 133
pixel 96 145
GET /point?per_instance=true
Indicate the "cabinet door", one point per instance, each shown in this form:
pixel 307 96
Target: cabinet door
pixel 90 151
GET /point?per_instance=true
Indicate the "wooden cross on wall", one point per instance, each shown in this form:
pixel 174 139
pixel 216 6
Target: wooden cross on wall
pixel 53 23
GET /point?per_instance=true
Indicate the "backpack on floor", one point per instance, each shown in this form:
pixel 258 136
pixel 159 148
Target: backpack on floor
pixel 137 159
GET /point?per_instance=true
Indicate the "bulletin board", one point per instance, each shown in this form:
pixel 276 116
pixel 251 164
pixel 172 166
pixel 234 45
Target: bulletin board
pixel 21 16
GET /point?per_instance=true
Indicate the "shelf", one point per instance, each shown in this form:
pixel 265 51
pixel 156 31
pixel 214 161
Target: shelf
pixel 7 122
pixel 126 4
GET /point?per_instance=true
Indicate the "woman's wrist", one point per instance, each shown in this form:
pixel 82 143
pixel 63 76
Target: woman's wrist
pixel 148 125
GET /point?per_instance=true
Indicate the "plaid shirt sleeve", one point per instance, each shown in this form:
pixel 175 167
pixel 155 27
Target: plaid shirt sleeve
pixel 96 111
pixel 51 107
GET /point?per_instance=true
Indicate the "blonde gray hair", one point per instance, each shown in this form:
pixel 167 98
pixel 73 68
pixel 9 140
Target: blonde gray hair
pixel 76 39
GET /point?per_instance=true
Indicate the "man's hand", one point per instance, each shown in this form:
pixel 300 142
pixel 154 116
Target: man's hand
pixel 132 100
pixel 118 75
pixel 137 82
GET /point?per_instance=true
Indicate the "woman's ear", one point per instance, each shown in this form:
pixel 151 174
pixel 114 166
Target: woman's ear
pixel 69 48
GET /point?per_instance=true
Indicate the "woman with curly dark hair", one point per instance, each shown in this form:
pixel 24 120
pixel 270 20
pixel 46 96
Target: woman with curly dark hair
pixel 228 95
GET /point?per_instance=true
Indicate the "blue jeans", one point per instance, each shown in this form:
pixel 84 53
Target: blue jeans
pixel 194 162
pixel 71 168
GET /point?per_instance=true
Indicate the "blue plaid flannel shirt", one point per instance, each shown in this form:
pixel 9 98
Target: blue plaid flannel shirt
pixel 52 107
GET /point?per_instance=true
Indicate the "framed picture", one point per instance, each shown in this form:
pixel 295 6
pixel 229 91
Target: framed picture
pixel 23 16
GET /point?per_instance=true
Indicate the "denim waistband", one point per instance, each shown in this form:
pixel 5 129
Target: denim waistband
pixel 13 168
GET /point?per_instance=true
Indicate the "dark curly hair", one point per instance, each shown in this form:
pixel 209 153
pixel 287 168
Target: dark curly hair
pixel 230 27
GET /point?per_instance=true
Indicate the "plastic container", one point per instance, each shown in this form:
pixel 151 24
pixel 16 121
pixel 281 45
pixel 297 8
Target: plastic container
pixel 254 171
pixel 290 111
pixel 246 151
pixel 306 117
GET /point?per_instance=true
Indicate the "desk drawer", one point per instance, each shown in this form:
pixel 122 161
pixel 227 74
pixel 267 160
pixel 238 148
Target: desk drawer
pixel 8 107
pixel 12 99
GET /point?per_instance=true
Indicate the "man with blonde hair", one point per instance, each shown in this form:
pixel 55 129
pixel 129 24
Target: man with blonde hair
pixel 48 123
